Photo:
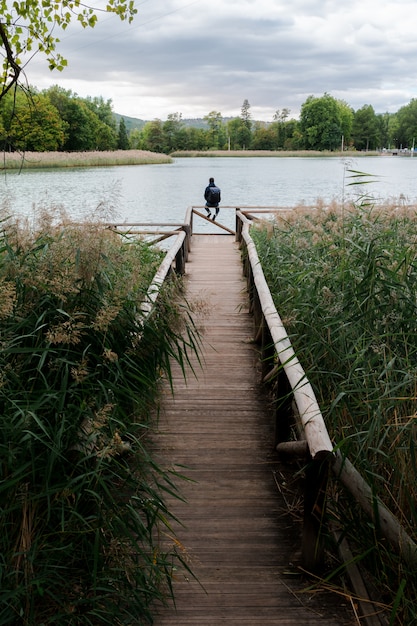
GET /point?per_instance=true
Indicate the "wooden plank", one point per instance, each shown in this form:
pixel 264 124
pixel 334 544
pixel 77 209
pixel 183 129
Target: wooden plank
pixel 216 429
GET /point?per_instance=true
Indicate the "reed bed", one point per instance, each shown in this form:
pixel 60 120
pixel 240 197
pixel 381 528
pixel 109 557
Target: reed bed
pixel 82 498
pixel 18 160
pixel 344 280
pixel 271 153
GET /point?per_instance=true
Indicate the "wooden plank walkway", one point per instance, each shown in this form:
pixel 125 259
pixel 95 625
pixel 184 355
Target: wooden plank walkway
pixel 236 533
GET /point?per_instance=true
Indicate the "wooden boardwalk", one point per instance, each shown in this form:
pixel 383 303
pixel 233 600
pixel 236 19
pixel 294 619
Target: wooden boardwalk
pixel 238 537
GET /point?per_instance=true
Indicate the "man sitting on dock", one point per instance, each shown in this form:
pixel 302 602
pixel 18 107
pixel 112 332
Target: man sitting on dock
pixel 212 197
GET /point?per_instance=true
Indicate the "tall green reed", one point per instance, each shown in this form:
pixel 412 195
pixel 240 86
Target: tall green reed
pixel 81 495
pixel 344 281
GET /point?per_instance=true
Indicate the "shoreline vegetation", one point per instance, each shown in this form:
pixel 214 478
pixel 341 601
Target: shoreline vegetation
pixel 24 160
pixel 81 366
pixel 40 160
pixel 273 153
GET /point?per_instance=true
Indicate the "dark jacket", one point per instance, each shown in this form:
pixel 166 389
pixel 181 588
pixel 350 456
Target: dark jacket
pixel 206 195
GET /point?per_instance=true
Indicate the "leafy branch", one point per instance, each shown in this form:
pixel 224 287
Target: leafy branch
pixel 29 25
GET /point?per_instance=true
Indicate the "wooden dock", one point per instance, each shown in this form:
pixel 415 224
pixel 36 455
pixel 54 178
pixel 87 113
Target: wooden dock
pixel 236 533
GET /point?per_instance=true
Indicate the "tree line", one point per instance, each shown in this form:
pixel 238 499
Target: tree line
pixel 59 120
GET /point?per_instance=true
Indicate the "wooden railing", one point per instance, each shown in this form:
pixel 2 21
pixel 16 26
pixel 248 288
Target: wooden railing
pixel 296 404
pixel 294 394
pixel 175 257
pixel 297 409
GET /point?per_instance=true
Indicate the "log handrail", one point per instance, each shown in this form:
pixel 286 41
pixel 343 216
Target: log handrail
pixel 309 411
pixel 175 256
pixel 277 345
pixel 162 272
pixel 312 421
pixel 317 440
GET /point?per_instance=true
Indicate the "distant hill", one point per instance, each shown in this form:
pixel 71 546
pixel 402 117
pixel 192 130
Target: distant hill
pixel 133 122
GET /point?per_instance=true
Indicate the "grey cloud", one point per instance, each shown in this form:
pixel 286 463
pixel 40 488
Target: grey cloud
pixel 211 57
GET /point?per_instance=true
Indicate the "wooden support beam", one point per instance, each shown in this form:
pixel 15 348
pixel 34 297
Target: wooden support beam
pixel 222 226
pixel 367 609
pixel 166 233
pixel 293 450
pixel 381 516
pixel 128 225
pixel 164 236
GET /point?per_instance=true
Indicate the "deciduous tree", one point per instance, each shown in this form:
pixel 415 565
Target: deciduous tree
pixel 30 26
pixel 102 109
pixel 36 126
pixel 152 136
pixel 385 123
pixel 279 127
pixel 89 127
pixel 365 129
pixel 321 123
pixel 233 127
pixel 172 130
pixel 263 138
pixel 216 133
pixel 346 120
pixel 407 125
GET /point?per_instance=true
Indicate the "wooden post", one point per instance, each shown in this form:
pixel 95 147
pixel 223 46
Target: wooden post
pixel 238 227
pixel 258 318
pixel 367 609
pixel 316 478
pixel 187 245
pixel 250 287
pixel 283 411
pixel 179 259
pixel 267 348
pixel 246 264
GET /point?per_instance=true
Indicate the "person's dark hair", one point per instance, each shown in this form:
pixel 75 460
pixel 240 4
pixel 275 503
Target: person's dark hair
pixel 211 180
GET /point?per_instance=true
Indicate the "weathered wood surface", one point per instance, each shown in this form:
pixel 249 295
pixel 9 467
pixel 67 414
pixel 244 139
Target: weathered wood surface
pixel 310 414
pixel 239 540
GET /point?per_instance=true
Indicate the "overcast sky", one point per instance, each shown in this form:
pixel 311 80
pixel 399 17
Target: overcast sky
pixel 197 56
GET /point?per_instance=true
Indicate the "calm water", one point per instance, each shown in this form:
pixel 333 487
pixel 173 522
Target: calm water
pixel 161 193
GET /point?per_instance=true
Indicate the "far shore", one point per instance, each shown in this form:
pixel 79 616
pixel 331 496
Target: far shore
pixel 273 153
pixel 33 160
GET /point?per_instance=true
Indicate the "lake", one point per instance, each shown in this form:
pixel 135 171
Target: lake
pixel 161 193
